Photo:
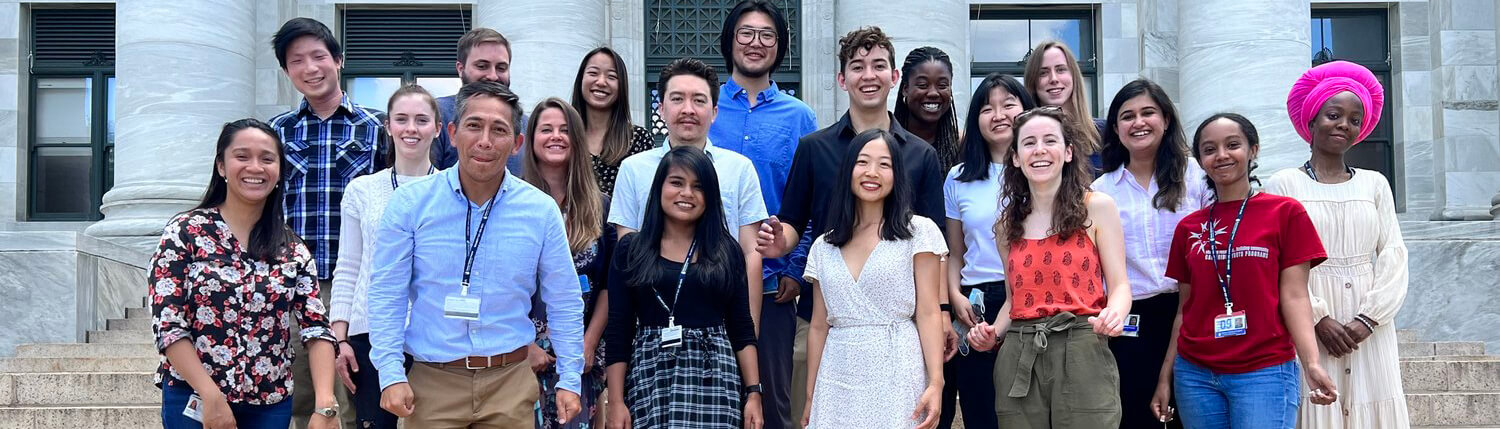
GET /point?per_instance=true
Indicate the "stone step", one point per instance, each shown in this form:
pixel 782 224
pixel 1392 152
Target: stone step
pixel 1451 376
pixel 73 416
pixel 145 313
pixel 1402 335
pixel 79 364
pixel 122 337
pixel 74 350
pixel 78 388
pixel 128 324
pixel 1454 409
pixel 1441 348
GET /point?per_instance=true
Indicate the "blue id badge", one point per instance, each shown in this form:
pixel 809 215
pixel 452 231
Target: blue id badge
pixel 583 282
pixel 1230 325
pixel 1132 325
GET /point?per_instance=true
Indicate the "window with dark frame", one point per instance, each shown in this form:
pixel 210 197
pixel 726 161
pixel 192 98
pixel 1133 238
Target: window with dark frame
pixel 385 48
pixel 1360 36
pixel 996 44
pixel 683 28
pixel 72 121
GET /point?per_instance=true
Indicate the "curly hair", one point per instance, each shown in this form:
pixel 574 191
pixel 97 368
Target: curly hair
pixel 1070 212
pixel 864 38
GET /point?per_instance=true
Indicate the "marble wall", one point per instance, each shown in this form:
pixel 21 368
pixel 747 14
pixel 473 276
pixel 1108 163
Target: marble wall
pixel 38 274
pixel 1466 120
pixel 1451 295
pixel 12 157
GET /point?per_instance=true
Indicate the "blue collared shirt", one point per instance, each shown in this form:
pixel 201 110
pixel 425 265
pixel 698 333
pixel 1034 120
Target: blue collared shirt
pixel 419 261
pixel 323 156
pixel 768 135
pixel 444 155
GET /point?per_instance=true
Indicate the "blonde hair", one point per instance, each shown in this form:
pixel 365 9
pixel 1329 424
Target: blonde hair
pixel 1077 106
pixel 583 205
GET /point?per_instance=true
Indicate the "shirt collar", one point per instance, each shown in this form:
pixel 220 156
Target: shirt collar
pixel 451 175
pixel 1119 176
pixel 735 91
pixel 708 146
pixel 845 125
pixel 345 104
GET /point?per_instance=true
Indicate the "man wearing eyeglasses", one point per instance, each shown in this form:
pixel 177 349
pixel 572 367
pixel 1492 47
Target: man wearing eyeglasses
pixel 760 122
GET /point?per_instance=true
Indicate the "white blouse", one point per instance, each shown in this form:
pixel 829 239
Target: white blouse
pixel 976 204
pixel 1148 230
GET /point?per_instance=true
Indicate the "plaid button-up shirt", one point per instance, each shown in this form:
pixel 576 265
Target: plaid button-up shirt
pixel 322 156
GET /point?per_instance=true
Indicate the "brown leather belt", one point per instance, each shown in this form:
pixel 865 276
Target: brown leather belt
pixel 483 362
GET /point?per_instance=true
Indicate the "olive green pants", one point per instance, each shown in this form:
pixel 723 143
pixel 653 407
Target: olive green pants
pixel 1055 372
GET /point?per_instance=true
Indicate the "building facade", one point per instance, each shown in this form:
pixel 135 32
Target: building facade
pixel 109 110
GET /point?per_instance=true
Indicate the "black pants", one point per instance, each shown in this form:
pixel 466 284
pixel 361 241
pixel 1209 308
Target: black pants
pixel 778 331
pixel 367 388
pixel 1139 359
pixel 970 379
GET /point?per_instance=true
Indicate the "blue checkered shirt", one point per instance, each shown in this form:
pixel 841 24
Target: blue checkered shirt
pixel 322 156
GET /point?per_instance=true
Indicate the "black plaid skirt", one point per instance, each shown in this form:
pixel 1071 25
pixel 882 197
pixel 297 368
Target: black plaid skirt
pixel 693 385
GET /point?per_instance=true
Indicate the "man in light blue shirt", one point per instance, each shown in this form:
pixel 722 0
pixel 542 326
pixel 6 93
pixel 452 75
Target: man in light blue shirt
pixel 759 121
pixel 467 270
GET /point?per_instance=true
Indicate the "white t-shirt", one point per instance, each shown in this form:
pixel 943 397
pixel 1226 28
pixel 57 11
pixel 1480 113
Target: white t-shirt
pixel 977 205
pixel 739 188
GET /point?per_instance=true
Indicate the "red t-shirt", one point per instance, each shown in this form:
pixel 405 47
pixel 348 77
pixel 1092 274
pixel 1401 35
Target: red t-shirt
pixel 1274 234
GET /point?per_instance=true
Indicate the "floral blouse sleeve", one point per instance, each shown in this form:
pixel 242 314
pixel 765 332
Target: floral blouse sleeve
pixel 306 303
pixel 168 270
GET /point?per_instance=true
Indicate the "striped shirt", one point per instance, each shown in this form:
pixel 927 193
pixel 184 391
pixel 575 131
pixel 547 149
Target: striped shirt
pixel 322 156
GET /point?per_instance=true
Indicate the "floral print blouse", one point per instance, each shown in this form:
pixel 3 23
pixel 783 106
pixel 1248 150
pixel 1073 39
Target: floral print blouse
pixel 236 310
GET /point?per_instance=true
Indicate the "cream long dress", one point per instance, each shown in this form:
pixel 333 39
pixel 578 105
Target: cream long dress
pixel 1365 273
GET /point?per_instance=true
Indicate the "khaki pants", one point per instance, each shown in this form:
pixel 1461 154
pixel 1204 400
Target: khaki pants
pixel 304 397
pixel 799 373
pixel 501 397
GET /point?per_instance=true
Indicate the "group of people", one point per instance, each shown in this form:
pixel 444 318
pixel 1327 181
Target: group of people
pixel 1029 263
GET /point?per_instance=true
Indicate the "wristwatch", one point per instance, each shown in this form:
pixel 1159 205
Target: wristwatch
pixel 754 388
pixel 328 412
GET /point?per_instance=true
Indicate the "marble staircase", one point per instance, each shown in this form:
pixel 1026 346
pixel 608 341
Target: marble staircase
pixel 1450 384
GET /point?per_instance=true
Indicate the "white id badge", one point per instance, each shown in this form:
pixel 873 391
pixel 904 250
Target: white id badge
pixel 671 336
pixel 461 307
pixel 1229 325
pixel 1132 325
pixel 194 409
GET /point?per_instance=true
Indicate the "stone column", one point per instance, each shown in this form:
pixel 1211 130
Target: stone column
pixel 548 39
pixel 943 24
pixel 1245 64
pixel 627 36
pixel 183 70
pixel 820 63
pixel 1464 102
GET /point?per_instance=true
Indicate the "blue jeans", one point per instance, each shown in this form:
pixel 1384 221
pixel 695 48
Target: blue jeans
pixel 1264 398
pixel 175 398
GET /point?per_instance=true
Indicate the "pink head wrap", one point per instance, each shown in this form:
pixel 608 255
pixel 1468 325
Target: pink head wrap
pixel 1320 83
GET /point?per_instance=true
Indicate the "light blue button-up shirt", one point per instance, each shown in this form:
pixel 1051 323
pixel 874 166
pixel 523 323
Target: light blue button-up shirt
pixel 419 262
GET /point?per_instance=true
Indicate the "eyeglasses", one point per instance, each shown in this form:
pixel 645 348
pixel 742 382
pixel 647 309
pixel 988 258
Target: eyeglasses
pixel 746 36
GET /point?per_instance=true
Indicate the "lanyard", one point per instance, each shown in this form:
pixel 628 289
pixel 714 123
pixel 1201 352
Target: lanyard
pixel 394 185
pixel 681 275
pixel 473 247
pixel 1213 251
pixel 1307 168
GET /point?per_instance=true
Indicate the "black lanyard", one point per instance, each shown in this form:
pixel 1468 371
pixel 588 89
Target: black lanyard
pixel 1307 168
pixel 473 247
pixel 394 185
pixel 1213 251
pixel 681 275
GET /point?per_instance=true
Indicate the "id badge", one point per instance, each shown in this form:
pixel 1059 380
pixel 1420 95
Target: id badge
pixel 194 409
pixel 583 282
pixel 671 336
pixel 1132 325
pixel 461 307
pixel 1230 325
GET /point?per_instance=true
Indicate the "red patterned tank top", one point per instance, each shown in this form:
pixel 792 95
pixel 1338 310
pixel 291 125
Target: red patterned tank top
pixel 1051 275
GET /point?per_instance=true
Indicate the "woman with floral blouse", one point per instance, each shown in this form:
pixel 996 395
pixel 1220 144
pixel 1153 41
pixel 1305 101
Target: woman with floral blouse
pixel 222 283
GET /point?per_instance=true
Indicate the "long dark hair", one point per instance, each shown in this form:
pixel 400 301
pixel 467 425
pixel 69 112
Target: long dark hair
pixel 270 234
pixel 975 163
pixel 1171 155
pixel 895 212
pixel 946 139
pixel 1252 138
pixel 1070 212
pixel 719 256
pixel 617 136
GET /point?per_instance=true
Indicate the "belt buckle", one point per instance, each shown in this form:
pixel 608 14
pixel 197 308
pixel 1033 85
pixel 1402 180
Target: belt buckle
pixel 487 363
